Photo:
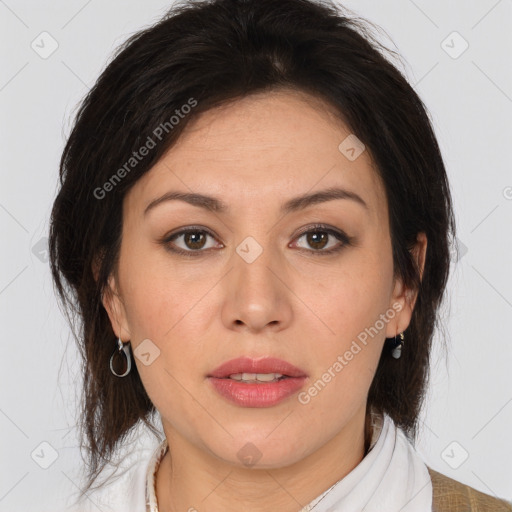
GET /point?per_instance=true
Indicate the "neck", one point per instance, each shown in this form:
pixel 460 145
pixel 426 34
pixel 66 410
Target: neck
pixel 194 479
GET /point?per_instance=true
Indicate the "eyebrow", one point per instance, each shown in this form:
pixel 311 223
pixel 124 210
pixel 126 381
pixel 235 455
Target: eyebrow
pixel 216 205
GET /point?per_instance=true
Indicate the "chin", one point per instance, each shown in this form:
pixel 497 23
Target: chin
pixel 256 452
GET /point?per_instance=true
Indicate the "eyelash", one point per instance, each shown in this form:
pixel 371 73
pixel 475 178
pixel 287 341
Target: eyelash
pixel 342 237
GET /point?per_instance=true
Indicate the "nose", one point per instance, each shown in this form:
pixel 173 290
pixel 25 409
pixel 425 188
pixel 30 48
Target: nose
pixel 257 297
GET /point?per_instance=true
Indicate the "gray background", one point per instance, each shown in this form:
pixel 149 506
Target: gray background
pixel 467 421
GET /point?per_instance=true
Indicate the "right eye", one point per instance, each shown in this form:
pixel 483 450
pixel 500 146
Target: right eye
pixel 192 240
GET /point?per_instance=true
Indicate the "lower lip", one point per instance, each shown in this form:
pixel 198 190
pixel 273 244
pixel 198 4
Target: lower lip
pixel 257 395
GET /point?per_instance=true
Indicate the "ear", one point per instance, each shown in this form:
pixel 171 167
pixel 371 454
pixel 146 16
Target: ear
pixel 113 303
pixel 404 299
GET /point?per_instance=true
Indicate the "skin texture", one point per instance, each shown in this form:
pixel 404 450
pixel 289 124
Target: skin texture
pixel 290 303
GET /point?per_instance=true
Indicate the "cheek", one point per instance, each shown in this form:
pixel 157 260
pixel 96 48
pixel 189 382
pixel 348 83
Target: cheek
pixel 167 310
pixel 350 298
pixel 157 295
pixel 168 307
pixel 352 306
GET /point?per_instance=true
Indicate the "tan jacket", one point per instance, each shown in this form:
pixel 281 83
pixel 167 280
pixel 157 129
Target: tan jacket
pixel 452 496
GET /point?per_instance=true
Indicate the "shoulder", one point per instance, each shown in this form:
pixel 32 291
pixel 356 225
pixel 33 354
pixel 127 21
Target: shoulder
pixel 120 486
pixel 451 495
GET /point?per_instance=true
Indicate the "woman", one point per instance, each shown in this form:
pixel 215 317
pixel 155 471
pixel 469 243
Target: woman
pixel 254 225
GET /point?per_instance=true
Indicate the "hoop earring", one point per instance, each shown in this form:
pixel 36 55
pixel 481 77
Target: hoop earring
pixel 397 346
pixel 125 350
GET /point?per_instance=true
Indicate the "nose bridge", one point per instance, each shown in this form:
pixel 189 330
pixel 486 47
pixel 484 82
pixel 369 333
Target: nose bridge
pixel 253 260
pixel 256 297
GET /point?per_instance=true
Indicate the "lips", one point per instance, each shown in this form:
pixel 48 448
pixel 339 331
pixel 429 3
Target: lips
pixel 250 393
pixel 261 365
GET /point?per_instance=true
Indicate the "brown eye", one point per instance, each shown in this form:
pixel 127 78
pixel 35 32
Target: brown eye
pixel 189 241
pixel 322 240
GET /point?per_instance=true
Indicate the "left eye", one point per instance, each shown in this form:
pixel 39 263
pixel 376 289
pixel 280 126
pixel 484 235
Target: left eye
pixel 318 239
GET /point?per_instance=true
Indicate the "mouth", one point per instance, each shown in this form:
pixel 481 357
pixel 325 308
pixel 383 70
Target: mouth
pixel 249 382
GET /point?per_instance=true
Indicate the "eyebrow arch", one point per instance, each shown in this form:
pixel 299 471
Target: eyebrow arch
pixel 214 204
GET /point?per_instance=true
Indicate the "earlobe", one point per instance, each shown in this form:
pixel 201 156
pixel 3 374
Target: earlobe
pixel 401 295
pixel 405 296
pixel 402 301
pixel 114 306
pixel 111 300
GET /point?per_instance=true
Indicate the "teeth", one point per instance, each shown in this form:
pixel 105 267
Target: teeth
pixel 256 377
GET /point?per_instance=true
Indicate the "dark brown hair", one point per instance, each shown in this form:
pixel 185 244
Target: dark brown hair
pixel 205 54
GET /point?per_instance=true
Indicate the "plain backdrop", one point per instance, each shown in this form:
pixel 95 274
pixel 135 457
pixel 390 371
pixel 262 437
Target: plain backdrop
pixel 458 58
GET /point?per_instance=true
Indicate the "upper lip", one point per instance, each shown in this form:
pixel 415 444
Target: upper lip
pixel 260 365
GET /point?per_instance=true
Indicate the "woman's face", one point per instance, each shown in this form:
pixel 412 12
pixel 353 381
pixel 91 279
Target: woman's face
pixel 249 282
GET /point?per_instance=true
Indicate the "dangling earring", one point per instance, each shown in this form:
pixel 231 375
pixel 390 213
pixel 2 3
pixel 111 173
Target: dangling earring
pixel 125 350
pixel 397 346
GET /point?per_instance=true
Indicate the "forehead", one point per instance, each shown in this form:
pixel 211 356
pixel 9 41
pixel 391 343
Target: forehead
pixel 266 146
